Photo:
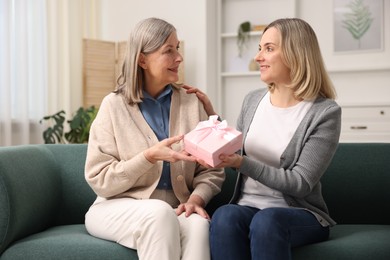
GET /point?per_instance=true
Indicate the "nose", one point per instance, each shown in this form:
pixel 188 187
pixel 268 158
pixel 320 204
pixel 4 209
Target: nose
pixel 179 57
pixel 258 56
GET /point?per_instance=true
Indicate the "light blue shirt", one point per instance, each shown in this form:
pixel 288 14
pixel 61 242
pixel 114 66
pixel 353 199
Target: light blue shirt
pixel 156 113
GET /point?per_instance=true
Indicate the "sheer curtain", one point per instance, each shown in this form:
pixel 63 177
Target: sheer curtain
pixel 23 70
pixel 40 62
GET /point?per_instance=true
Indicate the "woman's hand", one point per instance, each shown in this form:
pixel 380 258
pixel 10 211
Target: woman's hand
pixel 233 160
pixel 163 151
pixel 195 204
pixel 208 106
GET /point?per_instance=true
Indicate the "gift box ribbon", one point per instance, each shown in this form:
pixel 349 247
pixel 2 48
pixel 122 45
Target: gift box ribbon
pixel 205 128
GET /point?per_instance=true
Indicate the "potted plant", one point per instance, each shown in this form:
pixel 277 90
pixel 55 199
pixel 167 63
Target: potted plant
pixel 243 36
pixel 79 126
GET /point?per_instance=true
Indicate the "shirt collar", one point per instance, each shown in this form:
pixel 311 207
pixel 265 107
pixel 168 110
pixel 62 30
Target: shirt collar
pixel 166 92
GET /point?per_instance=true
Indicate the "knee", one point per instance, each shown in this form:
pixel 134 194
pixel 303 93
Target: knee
pixel 161 214
pixel 224 216
pixel 198 222
pixel 194 224
pixel 266 222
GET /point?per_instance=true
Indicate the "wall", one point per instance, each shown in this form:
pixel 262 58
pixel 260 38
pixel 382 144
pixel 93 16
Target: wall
pixel 189 17
pixel 359 79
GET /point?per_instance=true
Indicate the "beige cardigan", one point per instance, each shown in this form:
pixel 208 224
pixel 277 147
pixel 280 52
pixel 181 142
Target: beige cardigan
pixel 116 166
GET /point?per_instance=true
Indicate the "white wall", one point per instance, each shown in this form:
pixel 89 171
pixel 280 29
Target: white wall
pixel 359 79
pixel 118 17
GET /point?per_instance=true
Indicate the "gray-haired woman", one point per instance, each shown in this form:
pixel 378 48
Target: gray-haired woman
pixel 150 193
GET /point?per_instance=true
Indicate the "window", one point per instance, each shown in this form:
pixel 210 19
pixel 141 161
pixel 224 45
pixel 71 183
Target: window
pixel 23 65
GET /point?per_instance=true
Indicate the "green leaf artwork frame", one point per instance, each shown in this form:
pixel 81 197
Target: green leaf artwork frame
pixel 358 25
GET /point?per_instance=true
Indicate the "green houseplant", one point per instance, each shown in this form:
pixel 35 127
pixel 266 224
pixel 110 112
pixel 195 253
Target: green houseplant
pixel 243 36
pixel 79 126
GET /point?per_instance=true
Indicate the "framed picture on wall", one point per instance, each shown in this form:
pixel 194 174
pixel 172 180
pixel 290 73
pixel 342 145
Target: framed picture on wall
pixel 358 25
pixel 360 35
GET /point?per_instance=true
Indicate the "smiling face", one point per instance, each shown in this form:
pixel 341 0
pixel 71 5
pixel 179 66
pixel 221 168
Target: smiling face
pixel 270 58
pixel 161 66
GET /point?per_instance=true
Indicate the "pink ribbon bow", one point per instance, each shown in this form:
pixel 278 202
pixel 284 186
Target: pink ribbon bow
pixel 204 128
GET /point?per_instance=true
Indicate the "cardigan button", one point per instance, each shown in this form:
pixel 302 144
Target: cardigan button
pixel 180 178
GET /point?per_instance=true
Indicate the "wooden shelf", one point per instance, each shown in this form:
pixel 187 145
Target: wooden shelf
pixel 233 35
pixel 240 74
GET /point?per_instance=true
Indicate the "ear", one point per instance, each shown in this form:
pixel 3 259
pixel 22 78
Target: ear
pixel 142 61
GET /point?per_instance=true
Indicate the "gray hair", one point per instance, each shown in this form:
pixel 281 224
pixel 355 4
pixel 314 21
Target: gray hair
pixel 148 36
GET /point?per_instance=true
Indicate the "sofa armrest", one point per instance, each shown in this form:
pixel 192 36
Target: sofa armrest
pixel 29 192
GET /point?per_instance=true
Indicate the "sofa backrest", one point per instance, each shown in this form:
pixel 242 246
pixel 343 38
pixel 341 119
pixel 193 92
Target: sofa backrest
pixel 356 185
pixel 226 192
pixel 76 195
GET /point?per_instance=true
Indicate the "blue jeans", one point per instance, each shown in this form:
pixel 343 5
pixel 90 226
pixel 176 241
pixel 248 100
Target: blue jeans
pixel 240 232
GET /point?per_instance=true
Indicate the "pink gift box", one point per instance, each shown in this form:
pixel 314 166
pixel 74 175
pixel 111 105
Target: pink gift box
pixel 212 138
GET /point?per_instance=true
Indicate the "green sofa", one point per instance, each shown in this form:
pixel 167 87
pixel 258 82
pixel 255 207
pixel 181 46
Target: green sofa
pixel 43 199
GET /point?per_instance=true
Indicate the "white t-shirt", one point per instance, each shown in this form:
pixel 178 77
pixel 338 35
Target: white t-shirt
pixel 268 136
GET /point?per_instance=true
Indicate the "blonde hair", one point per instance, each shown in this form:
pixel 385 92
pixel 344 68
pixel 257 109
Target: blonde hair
pixel 148 36
pixel 302 54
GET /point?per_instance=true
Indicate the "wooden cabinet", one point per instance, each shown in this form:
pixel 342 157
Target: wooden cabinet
pixel 365 123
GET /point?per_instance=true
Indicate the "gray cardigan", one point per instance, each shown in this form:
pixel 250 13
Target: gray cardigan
pixel 305 159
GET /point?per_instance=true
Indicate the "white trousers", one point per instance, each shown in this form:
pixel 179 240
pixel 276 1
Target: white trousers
pixel 151 227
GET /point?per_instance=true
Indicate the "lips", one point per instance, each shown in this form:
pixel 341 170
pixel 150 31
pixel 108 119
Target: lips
pixel 176 70
pixel 263 67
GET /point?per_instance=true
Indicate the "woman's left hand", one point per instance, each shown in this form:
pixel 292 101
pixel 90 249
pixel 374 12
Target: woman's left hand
pixel 193 205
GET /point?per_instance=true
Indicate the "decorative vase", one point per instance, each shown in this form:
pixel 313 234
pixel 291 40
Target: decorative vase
pixel 253 65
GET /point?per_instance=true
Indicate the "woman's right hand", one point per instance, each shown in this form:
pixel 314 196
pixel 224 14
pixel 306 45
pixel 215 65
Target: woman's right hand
pixel 208 106
pixel 162 151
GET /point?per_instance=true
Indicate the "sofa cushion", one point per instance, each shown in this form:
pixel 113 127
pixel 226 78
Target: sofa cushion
pixel 350 242
pixel 66 242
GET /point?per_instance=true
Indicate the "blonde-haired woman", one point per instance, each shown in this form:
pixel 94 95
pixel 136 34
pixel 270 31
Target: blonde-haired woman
pixel 150 194
pixel 291 131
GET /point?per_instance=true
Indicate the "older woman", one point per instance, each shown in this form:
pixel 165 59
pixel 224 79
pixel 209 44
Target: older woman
pixel 150 194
